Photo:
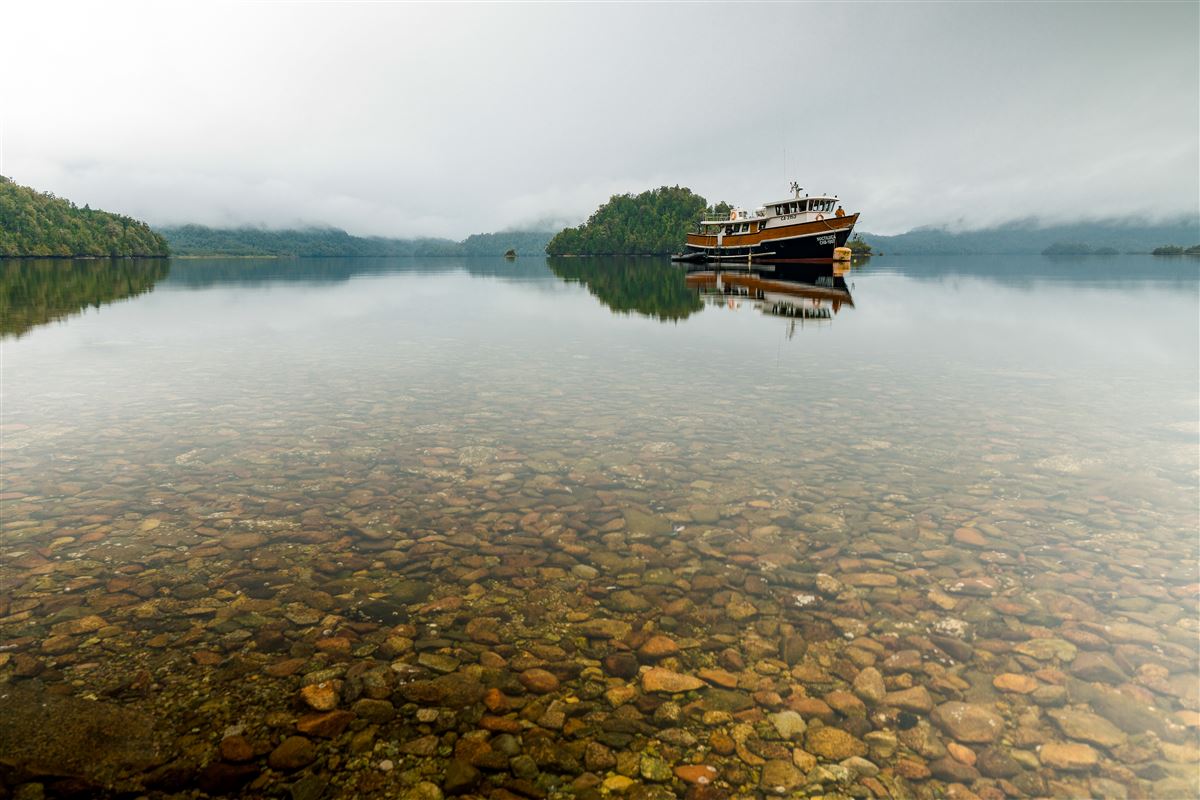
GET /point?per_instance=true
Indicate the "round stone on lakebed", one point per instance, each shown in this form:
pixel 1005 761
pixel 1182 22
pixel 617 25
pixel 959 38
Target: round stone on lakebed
pixel 833 744
pixel 968 722
pixel 293 753
pixel 539 681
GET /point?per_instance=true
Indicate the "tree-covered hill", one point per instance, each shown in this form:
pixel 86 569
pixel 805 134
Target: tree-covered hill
pixel 39 224
pixel 1027 238
pixel 198 240
pixel 655 222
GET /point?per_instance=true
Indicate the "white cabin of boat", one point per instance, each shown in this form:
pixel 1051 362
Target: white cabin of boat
pixel 792 211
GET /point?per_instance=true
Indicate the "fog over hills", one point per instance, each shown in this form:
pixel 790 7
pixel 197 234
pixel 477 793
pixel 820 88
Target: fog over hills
pixel 1026 237
pixel 413 119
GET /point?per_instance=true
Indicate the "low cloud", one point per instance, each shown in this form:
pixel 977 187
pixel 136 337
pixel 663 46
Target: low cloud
pixel 405 120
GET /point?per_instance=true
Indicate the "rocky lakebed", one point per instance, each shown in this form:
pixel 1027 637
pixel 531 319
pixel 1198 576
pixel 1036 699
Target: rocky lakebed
pixel 526 548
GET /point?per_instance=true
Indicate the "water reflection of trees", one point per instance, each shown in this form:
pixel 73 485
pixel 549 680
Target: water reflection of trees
pixel 36 292
pixel 633 285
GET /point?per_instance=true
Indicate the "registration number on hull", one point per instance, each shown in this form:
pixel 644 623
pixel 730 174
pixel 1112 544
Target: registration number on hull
pixel 826 239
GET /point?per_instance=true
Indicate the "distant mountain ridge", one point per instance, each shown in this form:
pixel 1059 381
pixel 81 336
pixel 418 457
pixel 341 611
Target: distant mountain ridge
pixel 1025 237
pixel 199 240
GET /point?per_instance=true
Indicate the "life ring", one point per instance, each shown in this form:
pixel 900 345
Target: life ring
pixel 820 216
pixel 733 214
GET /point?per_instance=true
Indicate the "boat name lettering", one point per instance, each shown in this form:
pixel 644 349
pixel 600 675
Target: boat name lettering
pixel 825 239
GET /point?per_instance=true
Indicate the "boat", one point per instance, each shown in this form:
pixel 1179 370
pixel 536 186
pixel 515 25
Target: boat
pixel 798 229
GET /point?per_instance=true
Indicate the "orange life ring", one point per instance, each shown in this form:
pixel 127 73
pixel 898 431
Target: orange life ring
pixel 733 214
pixel 820 216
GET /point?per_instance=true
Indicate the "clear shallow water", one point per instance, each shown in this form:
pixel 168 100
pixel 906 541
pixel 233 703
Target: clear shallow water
pixel 979 478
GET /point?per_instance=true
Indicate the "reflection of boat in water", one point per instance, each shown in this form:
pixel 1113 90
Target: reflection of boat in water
pixel 812 295
pixel 798 229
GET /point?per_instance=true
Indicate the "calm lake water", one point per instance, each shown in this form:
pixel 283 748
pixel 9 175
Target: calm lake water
pixel 422 527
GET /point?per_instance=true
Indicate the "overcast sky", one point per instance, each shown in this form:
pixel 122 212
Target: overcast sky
pixel 411 119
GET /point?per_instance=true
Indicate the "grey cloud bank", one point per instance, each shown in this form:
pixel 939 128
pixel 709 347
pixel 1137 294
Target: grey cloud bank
pixel 403 119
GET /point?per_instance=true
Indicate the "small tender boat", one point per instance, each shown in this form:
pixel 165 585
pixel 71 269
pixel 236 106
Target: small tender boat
pixel 801 228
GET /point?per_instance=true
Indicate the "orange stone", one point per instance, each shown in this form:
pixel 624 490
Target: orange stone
pixel 961 754
pixel 970 537
pixel 500 724
pixel 1012 682
pixel 719 677
pixel 334 644
pixel 722 743
pixel 912 770
pixel 539 681
pixel 495 700
pixel 326 725
pixel 657 647
pixel 284 668
pixel 700 774
pixel 657 679
pixel 206 658
pixel 320 696
pixel 1068 756
pixel 236 749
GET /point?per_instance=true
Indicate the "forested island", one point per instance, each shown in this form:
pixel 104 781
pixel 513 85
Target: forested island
pixel 1176 250
pixel 655 222
pixel 39 225
pixel 198 240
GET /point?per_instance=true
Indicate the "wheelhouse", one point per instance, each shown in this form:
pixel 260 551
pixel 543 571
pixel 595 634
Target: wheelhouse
pixel 793 211
pixel 806 205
